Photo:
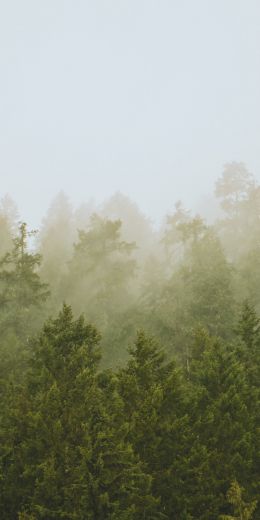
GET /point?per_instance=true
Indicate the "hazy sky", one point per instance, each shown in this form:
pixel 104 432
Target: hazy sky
pixel 149 97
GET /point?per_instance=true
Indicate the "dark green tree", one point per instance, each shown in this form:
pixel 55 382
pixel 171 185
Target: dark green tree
pixel 22 295
pixel 99 282
pixel 21 289
pixel 242 511
pixel 223 419
pixel 68 454
pixel 154 401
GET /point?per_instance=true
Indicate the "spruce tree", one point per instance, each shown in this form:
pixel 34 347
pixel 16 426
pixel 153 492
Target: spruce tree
pixel 21 289
pixel 154 401
pixel 69 456
pixel 242 511
pixel 223 420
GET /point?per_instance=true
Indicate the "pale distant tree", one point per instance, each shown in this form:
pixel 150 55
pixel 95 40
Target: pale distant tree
pixel 56 238
pixel 239 195
pixel 8 223
pixel 136 227
pixel 101 270
pixel 234 186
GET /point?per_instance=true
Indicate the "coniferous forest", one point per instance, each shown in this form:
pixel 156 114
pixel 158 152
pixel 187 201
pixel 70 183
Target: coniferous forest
pixel 129 360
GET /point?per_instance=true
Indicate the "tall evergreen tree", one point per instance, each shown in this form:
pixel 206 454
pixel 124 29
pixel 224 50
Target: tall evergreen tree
pixel 68 456
pixel 20 286
pixel 154 401
pixel 199 291
pixel 222 411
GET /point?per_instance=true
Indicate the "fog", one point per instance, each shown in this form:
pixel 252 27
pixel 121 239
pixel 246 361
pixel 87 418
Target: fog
pixel 144 97
pixel 129 260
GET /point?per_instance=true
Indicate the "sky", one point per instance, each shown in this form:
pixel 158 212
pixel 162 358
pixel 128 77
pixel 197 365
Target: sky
pixel 147 97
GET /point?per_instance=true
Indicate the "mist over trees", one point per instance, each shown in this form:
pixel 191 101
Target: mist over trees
pixel 129 360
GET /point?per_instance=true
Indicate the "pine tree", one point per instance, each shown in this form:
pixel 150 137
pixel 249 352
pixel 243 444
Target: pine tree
pixel 22 295
pixel 199 291
pixel 223 421
pixel 242 511
pixel 101 270
pixel 152 392
pixel 249 353
pixel 69 457
pixel 249 326
pixel 21 289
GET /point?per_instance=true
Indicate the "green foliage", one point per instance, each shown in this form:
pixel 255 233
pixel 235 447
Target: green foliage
pixel 249 275
pixel 69 450
pixel 152 392
pixel 223 410
pixel 249 326
pixel 91 428
pixel 199 291
pixel 26 516
pixel 20 286
pixel 248 330
pixel 22 295
pixel 242 511
pixel 100 270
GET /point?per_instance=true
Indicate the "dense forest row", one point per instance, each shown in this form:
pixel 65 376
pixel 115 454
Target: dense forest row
pixel 129 361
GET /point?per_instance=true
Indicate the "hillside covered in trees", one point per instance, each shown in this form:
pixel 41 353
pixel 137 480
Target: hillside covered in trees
pixel 129 360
